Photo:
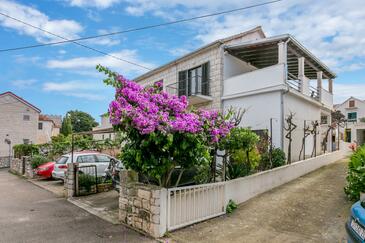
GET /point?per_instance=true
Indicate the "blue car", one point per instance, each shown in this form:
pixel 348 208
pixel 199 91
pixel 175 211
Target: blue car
pixel 355 226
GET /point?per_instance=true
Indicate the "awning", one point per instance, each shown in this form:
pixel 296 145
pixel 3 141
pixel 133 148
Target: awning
pixel 264 52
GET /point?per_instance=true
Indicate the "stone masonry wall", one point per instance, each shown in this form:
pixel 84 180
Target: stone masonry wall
pixel 69 182
pixel 4 162
pixel 141 206
pixel 16 166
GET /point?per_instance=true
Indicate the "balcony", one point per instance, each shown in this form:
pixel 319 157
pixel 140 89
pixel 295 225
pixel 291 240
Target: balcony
pixel 196 90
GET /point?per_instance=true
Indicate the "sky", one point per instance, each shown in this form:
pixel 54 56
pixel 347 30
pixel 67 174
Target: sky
pixel 63 77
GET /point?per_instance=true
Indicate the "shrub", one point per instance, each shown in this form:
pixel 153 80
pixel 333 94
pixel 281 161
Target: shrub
pixel 231 206
pixel 87 181
pixel 38 160
pixel 278 157
pixel 25 150
pixel 356 174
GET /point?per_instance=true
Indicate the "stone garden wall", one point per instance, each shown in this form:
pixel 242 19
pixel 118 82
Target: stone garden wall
pixel 142 206
pixel 4 162
pixel 16 166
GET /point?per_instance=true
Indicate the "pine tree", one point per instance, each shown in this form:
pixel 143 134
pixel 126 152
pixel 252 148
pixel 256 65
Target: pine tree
pixel 66 127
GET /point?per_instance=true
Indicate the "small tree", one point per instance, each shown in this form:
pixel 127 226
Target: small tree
pixel 81 121
pixel 66 127
pixel 337 120
pixel 290 128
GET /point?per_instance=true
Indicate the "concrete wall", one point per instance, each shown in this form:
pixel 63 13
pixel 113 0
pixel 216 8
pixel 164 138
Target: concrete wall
pixel 12 123
pixel 234 66
pixel 257 80
pixel 259 109
pixel 242 189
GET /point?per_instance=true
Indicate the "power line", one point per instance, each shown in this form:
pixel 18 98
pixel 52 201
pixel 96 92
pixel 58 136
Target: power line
pixel 75 42
pixel 134 29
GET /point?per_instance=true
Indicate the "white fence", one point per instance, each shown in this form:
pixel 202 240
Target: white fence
pixel 191 204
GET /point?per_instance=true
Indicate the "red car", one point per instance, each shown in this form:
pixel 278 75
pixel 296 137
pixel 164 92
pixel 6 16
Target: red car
pixel 45 170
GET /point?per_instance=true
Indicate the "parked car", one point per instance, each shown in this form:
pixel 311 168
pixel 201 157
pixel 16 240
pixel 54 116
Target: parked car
pixel 355 226
pixel 101 161
pixel 45 170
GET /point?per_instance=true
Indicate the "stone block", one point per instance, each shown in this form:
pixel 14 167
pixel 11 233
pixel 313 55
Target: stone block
pixel 156 193
pixel 155 210
pixel 144 194
pixel 155 218
pixel 146 204
pixel 137 203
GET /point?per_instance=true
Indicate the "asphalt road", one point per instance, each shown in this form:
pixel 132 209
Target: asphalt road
pixel 31 214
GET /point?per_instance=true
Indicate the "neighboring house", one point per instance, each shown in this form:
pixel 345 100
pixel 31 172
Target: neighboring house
pixel 48 126
pixel 269 77
pixel 354 111
pixel 18 121
pixel 104 125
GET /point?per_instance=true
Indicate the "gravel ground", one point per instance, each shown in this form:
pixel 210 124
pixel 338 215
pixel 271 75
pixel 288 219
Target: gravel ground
pixel 312 208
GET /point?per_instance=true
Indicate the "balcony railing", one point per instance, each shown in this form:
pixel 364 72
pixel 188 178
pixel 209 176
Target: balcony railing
pixel 294 83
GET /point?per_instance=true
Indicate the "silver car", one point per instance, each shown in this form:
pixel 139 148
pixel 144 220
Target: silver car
pixel 83 158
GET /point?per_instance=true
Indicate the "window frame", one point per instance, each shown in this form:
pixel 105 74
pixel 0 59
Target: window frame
pixel 40 125
pixel 351 113
pixel 26 119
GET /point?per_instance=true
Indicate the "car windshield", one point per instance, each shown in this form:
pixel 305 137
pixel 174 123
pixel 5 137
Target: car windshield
pixel 62 160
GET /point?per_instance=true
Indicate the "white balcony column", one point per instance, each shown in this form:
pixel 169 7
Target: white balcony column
pixel 330 85
pixel 282 53
pixel 319 84
pixel 301 75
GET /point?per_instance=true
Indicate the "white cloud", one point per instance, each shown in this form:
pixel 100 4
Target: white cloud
pixel 333 29
pixel 23 83
pixel 89 63
pixel 344 91
pixel 80 89
pixel 106 41
pixel 27 59
pixel 93 3
pixel 64 27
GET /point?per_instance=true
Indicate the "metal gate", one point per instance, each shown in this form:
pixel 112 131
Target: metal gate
pixel 191 204
pixel 86 178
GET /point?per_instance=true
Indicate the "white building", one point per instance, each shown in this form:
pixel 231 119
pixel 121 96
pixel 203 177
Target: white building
pixel 18 121
pixel 354 111
pixel 104 125
pixel 268 77
pixel 48 126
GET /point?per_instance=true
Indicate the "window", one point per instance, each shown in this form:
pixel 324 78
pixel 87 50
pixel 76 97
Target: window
pixel 110 136
pixel 194 81
pixel 62 160
pixel 26 117
pixel 25 140
pixel 40 125
pixel 101 158
pixel 352 116
pixel 351 103
pixel 324 119
pixel 102 136
pixel 86 159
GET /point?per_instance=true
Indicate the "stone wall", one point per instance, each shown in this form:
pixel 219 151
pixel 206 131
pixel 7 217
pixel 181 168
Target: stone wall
pixel 142 206
pixel 4 162
pixel 16 166
pixel 70 180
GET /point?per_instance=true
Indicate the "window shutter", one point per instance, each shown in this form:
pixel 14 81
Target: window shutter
pixel 182 83
pixel 205 79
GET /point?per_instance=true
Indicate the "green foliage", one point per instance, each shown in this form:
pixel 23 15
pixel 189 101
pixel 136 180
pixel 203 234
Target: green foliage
pixel 25 150
pixel 66 128
pixel 278 157
pixel 81 121
pixel 362 119
pixel 231 206
pixel 87 181
pixel 239 138
pixel 156 155
pixel 356 174
pixel 38 160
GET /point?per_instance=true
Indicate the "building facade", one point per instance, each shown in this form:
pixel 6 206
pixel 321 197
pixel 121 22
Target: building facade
pixel 104 125
pixel 48 126
pixel 354 111
pixel 269 78
pixel 18 122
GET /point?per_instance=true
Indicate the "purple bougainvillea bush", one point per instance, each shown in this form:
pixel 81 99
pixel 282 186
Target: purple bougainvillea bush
pixel 162 133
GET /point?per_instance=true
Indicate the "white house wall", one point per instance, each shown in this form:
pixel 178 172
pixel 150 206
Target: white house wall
pixel 257 80
pixel 302 110
pixel 259 109
pixel 234 66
